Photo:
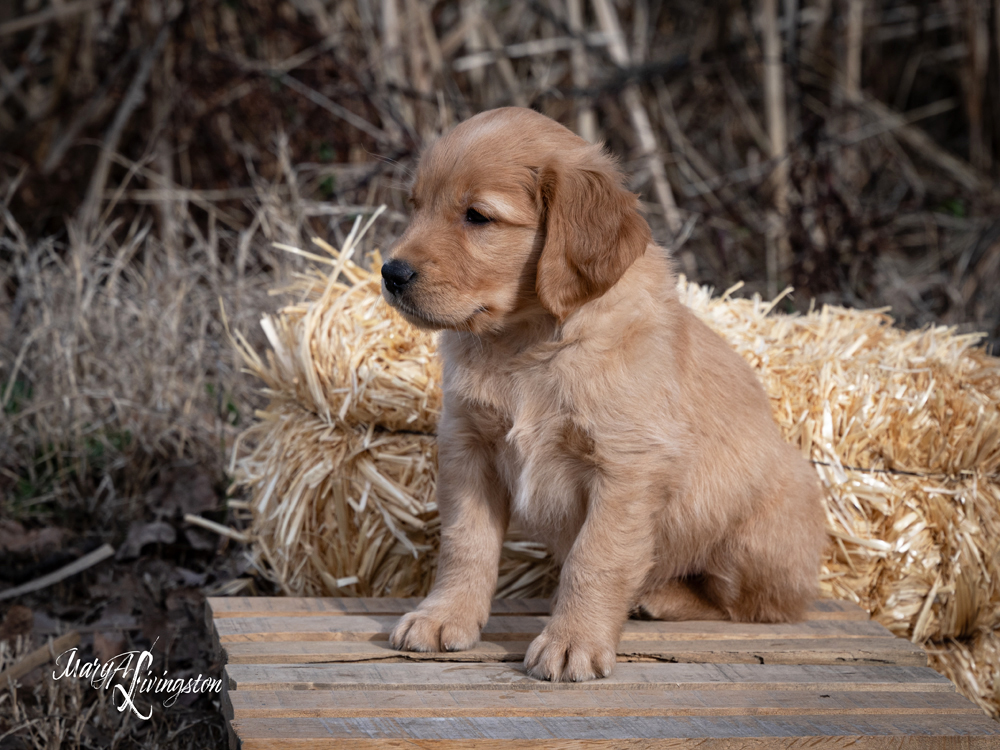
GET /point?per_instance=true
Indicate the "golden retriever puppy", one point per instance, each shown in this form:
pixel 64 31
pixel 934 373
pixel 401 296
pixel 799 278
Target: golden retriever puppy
pixel 586 404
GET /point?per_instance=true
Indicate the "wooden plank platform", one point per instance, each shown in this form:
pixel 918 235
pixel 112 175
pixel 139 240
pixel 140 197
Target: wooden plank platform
pixel 319 673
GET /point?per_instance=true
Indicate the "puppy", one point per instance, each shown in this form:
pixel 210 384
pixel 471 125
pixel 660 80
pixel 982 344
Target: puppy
pixel 585 403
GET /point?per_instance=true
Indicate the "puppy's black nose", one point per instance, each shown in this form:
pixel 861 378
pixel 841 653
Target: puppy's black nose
pixel 397 274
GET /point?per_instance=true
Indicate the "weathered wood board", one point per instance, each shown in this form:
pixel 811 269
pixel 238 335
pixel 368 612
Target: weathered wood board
pixel 319 673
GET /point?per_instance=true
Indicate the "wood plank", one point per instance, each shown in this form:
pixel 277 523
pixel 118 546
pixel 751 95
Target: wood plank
pixel 649 702
pixel 777 651
pixel 290 606
pixel 526 627
pixel 604 731
pixel 294 606
pixel 626 676
pixel 889 650
pixel 746 743
pixel 835 609
pixel 318 673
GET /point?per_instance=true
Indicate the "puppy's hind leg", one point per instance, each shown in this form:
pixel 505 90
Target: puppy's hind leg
pixel 774 556
pixel 679 599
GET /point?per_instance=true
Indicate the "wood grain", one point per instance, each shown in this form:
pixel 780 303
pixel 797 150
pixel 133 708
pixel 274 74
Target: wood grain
pixel 526 627
pixel 261 606
pixel 880 742
pixel 292 606
pixel 793 651
pixel 648 702
pixel 629 676
pixel 935 731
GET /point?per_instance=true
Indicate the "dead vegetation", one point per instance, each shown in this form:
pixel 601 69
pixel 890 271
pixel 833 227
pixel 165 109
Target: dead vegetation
pixel 151 152
pixel 857 165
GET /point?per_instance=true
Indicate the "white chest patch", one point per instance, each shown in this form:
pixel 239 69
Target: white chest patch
pixel 545 482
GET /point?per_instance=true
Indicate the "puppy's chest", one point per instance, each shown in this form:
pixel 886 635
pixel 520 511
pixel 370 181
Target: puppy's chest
pixel 540 451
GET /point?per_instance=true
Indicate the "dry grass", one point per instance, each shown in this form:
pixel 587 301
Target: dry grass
pixel 121 364
pixel 53 714
pixel 119 369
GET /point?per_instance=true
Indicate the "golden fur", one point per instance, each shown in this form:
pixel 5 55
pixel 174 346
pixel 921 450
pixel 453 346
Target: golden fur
pixel 584 403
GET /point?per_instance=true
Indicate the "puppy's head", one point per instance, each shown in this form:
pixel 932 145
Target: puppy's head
pixel 512 215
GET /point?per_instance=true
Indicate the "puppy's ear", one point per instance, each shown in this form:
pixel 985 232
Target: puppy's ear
pixel 593 232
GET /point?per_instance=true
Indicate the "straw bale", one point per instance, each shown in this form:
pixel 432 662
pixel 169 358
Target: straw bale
pixel 974 666
pixel 342 354
pixel 336 507
pixel 903 428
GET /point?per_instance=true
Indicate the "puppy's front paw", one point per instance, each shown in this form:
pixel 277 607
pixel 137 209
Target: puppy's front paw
pixel 434 630
pixel 560 655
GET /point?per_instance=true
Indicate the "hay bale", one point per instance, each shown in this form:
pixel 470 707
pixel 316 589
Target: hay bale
pixel 903 428
pixel 973 665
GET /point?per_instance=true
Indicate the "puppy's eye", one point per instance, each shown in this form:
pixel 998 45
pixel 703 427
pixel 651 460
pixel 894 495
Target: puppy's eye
pixel 474 217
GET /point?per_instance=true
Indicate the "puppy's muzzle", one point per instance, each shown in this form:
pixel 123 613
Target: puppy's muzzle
pixel 397 276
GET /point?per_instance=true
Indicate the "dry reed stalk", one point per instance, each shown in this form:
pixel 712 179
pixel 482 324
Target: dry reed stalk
pixel 472 38
pixel 335 109
pixel 692 163
pixel 431 43
pixel 778 257
pixel 748 118
pixel 996 43
pixel 849 162
pixel 794 94
pixel 977 37
pixel 957 169
pixel 504 65
pixel 392 57
pixel 791 8
pixel 419 77
pixel 89 210
pixel 852 67
pixel 632 98
pixel 586 122
pixel 55 12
